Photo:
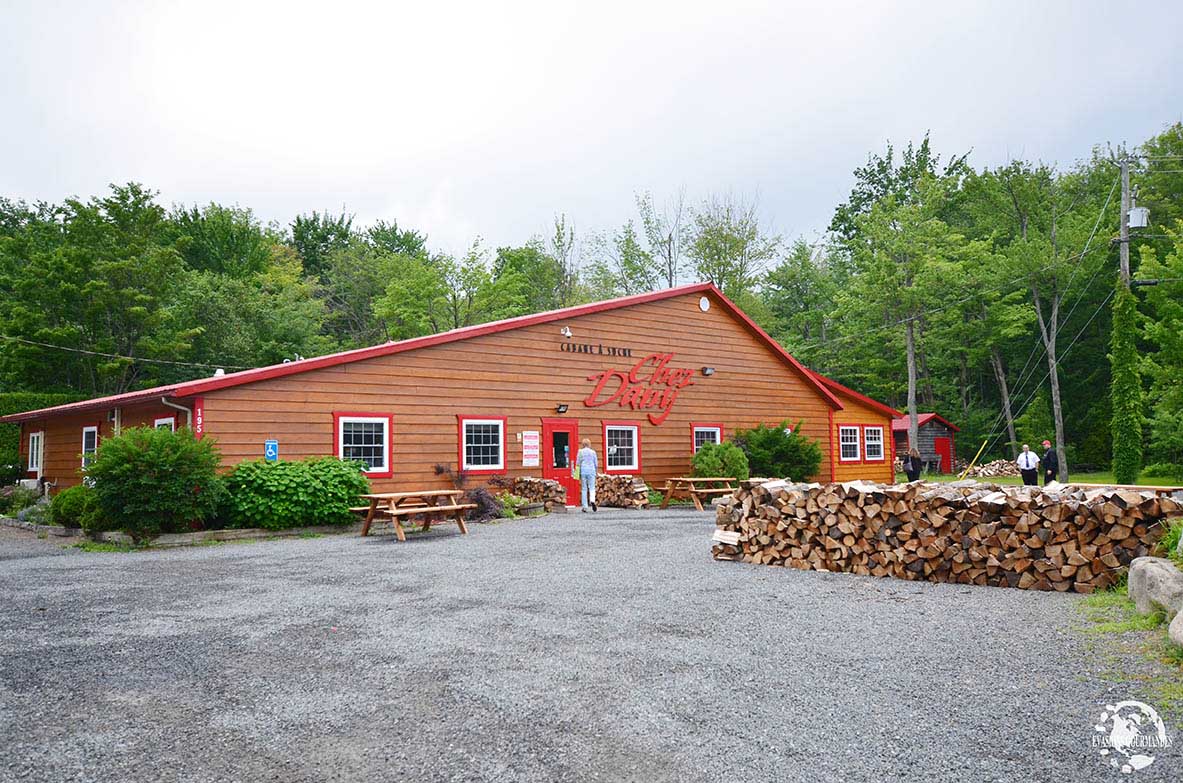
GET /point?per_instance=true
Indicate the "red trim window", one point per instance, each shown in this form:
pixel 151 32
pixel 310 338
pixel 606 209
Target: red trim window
pixel 165 423
pixel 36 452
pixel 365 438
pixel 90 444
pixel 481 446
pixel 622 447
pixel 848 443
pixel 873 450
pixel 704 433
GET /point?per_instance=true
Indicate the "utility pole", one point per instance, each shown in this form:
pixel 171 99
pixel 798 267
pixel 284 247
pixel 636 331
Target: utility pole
pixel 1124 240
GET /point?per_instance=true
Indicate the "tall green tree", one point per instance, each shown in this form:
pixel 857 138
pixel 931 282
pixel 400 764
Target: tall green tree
pixel 316 235
pixel 729 246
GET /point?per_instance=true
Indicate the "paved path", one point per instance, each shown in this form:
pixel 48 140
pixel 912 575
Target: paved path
pixel 573 647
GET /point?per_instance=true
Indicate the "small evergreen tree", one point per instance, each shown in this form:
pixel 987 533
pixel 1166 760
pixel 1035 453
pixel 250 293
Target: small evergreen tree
pixel 723 459
pixel 777 452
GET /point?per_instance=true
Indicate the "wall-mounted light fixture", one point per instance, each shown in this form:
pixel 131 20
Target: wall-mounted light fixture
pixel 566 332
pixel 708 371
pixel 561 408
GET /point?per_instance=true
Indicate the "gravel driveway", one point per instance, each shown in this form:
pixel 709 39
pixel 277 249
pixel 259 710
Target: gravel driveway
pixel 571 647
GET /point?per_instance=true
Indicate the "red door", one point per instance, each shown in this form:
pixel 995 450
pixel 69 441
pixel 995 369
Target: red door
pixel 560 442
pixel 944 449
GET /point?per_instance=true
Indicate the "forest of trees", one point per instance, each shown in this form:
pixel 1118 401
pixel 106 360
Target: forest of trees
pixel 986 295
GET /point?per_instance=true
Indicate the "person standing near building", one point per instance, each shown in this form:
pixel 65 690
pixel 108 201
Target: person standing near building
pixel 587 464
pixel 1028 463
pixel 912 464
pixel 1051 463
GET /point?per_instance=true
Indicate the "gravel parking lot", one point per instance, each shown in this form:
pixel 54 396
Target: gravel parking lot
pixel 571 647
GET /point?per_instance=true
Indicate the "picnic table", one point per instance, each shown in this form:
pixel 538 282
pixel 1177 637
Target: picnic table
pixel 695 488
pixel 428 503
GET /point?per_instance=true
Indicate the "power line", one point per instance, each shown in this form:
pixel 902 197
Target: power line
pixel 120 356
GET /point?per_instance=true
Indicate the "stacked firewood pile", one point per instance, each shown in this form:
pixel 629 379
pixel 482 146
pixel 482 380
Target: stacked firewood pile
pixel 548 492
pixel 969 533
pixel 621 491
pixel 995 468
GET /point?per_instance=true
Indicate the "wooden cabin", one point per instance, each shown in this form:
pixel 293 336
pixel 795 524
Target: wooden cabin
pixel 936 440
pixel 647 379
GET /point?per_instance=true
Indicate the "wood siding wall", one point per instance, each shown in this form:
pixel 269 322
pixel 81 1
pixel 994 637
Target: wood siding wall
pixel 521 374
pixel 927 434
pixel 856 413
pixel 63 437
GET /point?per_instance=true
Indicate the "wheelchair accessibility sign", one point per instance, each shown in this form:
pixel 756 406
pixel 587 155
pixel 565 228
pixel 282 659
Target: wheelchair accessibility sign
pixel 271 450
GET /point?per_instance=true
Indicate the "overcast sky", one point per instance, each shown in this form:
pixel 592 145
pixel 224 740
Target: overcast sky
pixel 487 118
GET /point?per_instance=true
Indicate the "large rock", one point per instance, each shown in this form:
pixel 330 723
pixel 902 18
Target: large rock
pixel 1156 582
pixel 1175 629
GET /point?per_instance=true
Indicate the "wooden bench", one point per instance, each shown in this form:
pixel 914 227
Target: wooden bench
pixel 431 503
pixel 694 488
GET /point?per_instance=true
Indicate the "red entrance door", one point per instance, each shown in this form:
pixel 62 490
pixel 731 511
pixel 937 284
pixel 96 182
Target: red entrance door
pixel 944 449
pixel 560 442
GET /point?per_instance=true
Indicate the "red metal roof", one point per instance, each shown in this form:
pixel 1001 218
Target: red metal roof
pixel 879 406
pixel 900 424
pixel 205 385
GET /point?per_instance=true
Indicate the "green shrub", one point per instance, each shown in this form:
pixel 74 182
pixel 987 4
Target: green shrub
pixel 511 504
pixel 723 459
pixel 1169 543
pixel 1166 470
pixel 280 495
pixel 150 481
pixel 18 498
pixel 72 505
pixel 36 514
pixel 775 453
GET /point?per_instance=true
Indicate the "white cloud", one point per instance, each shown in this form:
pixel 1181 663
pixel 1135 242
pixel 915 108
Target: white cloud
pixel 488 118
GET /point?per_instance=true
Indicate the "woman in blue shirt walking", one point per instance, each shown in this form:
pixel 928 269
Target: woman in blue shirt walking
pixel 586 461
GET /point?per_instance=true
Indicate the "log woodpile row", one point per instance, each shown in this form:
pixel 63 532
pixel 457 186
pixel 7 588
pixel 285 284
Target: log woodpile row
pixel 621 491
pixel 548 492
pixel 998 467
pixel 965 532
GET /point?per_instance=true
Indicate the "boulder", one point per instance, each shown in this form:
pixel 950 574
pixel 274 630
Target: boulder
pixel 1175 629
pixel 1156 582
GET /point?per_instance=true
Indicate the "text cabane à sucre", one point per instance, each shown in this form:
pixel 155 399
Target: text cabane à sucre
pixel 650 384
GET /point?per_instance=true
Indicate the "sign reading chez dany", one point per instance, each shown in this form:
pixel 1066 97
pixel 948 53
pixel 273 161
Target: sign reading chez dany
pixel 649 384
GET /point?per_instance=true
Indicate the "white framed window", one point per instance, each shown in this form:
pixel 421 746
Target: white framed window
pixel 482 444
pixel 706 434
pixel 622 448
pixel 365 439
pixel 848 444
pixel 36 452
pixel 90 445
pixel 873 443
pixel 165 423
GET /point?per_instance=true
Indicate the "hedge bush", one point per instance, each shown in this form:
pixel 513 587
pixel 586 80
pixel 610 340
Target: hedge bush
pixel 773 452
pixel 723 459
pixel 280 495
pixel 71 506
pixel 150 481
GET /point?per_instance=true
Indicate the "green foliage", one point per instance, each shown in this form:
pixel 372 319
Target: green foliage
pixel 723 459
pixel 75 506
pixel 729 246
pixel 17 499
pixel 511 504
pixel 1164 470
pixel 773 452
pixel 1125 390
pixel 281 495
pixel 316 235
pixel 1169 543
pixel 150 481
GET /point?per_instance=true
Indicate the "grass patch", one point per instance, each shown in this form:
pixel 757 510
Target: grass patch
pixel 311 535
pixel 1103 477
pixel 107 546
pixel 1111 614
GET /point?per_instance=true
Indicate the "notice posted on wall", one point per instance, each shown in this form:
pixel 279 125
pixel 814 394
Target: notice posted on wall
pixel 530 443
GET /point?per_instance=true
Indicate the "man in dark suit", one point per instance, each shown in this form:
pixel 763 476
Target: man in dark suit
pixel 1050 462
